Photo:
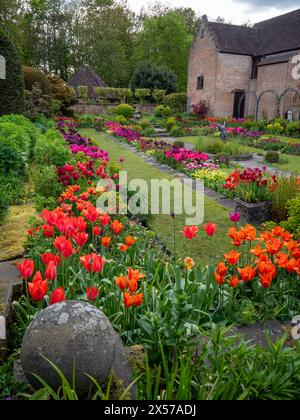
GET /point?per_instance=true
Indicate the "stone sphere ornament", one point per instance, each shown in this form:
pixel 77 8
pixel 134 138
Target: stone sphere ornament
pixel 73 335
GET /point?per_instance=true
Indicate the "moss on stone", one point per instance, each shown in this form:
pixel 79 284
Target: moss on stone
pixel 13 232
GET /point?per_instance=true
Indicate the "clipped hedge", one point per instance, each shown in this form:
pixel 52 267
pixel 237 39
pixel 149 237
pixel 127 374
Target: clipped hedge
pixel 12 87
pixel 33 76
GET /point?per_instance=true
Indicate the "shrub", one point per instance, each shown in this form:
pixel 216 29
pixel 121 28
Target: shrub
pixel 50 149
pixel 19 120
pixel 45 181
pixel 12 87
pixel 292 128
pixel 36 103
pixel 222 159
pixel 149 132
pixel 33 76
pixel 14 148
pixel 180 144
pixel 125 110
pixel 293 222
pixel 61 91
pixel 144 123
pixel 272 157
pixel 177 131
pixel 170 122
pixel 285 191
pixel 162 111
pixel 120 119
pixel 176 101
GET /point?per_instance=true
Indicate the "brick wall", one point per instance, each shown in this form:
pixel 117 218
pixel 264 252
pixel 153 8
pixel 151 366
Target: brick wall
pixel 223 74
pixel 203 62
pixel 277 77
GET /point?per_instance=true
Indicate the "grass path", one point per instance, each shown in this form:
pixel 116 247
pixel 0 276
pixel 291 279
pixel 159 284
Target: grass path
pixel 204 250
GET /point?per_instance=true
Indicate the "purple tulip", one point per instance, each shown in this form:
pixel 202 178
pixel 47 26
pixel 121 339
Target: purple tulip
pixel 235 216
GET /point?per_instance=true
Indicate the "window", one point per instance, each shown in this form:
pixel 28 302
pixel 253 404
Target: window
pixel 200 83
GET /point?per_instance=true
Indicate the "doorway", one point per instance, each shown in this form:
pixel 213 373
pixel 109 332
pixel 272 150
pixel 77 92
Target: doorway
pixel 239 104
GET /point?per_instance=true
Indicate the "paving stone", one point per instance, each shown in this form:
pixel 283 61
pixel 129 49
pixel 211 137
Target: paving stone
pixel 256 333
pixel 10 284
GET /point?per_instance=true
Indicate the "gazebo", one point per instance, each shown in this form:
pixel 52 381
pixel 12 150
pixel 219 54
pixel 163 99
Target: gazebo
pixel 85 76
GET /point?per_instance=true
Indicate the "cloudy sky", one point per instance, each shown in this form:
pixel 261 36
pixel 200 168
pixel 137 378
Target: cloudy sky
pixel 235 11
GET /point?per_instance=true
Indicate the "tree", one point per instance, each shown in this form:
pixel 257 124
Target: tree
pixel 12 87
pixel 165 40
pixel 151 76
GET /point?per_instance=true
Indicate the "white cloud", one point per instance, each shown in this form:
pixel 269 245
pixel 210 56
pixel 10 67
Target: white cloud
pixel 235 11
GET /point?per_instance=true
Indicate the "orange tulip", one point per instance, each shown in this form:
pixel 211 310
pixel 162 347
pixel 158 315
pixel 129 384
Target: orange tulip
pixel 281 259
pixel 219 279
pixel 250 232
pixel 123 248
pixel 292 265
pixel 257 251
pixel 233 257
pixel 234 282
pixel 274 246
pixel 130 241
pixel 116 227
pixel 248 273
pixel 121 282
pixel 105 241
pixel 222 269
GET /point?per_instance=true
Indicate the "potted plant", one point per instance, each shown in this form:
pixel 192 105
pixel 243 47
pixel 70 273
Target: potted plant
pixel 253 190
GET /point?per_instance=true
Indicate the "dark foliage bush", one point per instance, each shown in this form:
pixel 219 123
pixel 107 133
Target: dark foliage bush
pixel 151 76
pixel 179 143
pixel 272 157
pixel 11 88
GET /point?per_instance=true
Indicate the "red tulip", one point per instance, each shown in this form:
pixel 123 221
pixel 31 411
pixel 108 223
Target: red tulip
pixel 190 232
pixel 92 293
pixel 81 239
pixel 46 258
pixel 93 263
pixel 58 296
pixel 105 219
pixel 64 246
pixel 97 231
pixel 38 288
pixel 48 231
pixel 91 214
pixel 51 272
pixel 26 268
pixel 210 229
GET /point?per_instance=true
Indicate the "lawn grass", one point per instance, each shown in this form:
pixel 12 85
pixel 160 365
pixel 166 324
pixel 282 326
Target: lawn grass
pixel 289 163
pixel 203 249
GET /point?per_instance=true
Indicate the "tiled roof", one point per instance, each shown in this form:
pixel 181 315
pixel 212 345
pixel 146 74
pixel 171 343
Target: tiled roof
pixel 272 36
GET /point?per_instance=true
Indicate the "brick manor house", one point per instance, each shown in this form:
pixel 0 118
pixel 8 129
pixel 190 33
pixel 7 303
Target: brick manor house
pixel 230 66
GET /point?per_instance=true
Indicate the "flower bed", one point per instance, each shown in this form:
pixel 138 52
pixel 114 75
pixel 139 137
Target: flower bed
pixel 76 252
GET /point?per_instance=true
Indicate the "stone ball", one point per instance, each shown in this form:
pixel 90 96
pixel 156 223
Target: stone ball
pixel 73 335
